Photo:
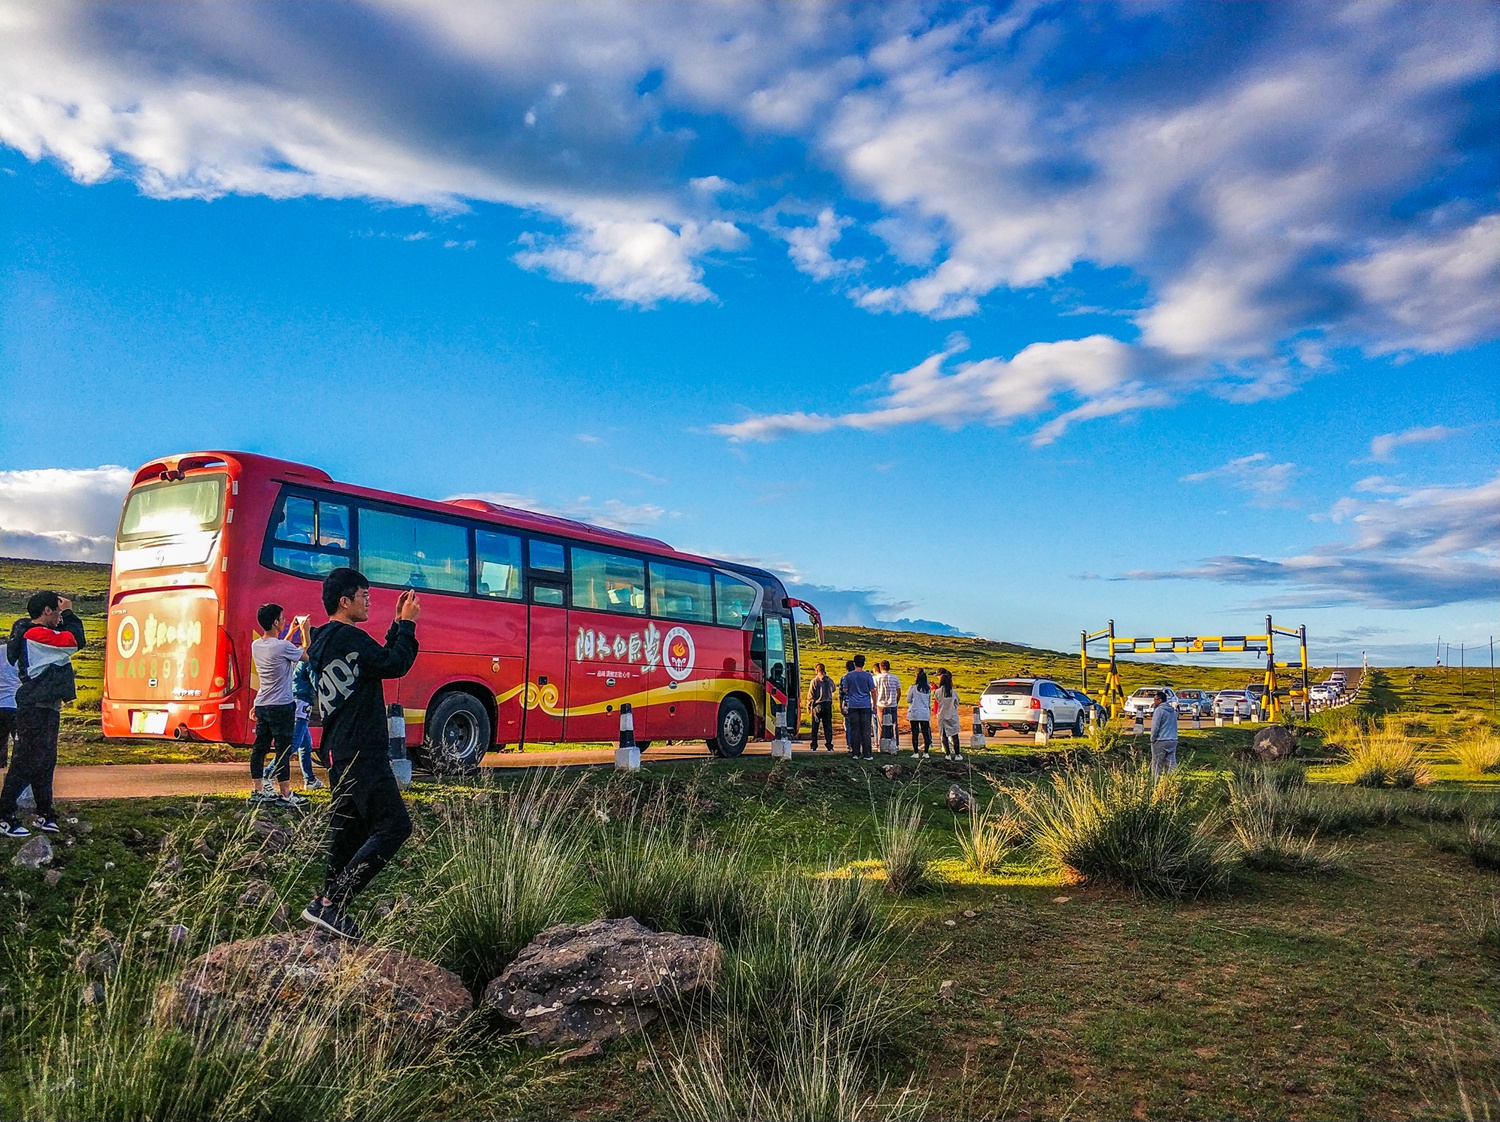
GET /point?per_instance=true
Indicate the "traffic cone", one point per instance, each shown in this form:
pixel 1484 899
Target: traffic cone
pixel 627 755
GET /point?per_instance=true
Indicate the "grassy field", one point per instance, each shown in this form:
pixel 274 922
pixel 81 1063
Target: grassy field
pixel 1368 993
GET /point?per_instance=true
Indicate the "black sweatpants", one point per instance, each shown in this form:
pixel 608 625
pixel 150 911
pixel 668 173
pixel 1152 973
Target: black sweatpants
pixel 33 760
pixel 274 725
pixel 822 715
pixel 7 732
pixel 367 825
pixel 859 724
pixel 921 730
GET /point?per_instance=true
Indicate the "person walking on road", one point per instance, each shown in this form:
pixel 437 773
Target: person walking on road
pixel 859 687
pixel 368 822
pixel 275 711
pixel 1163 736
pixel 41 649
pixel 820 705
pixel 947 708
pixel 919 713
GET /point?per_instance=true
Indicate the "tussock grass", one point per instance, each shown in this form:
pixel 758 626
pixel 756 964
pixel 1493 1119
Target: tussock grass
pixel 502 869
pixel 1121 826
pixel 905 851
pixel 799 1014
pixel 1478 752
pixel 1385 756
pixel 1480 843
pixel 1268 843
pixel 986 838
pixel 676 878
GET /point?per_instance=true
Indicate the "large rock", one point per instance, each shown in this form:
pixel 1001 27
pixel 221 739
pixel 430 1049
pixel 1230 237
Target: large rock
pixel 959 800
pixel 248 982
pixel 1274 742
pixel 573 984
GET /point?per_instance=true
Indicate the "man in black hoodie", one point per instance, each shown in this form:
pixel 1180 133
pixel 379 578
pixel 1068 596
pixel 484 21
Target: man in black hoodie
pixel 368 823
pixel 41 648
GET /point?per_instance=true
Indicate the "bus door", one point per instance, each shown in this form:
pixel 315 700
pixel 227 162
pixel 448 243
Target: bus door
pixel 779 676
pixel 545 696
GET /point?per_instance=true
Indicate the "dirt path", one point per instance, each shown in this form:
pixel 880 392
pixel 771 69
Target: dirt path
pixel 121 781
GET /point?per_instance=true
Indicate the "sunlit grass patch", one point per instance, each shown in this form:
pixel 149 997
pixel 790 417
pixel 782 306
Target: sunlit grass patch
pixel 1012 874
pixel 1386 755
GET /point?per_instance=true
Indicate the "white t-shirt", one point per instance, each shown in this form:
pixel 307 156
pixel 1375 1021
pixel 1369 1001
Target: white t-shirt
pixel 274 661
pixel 10 682
pixel 918 704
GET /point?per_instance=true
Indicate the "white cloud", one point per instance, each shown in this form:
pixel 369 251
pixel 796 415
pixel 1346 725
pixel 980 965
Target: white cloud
pixel 1384 446
pixel 635 262
pixel 62 514
pixel 1256 473
pixel 1421 548
pixel 811 247
pixel 1104 373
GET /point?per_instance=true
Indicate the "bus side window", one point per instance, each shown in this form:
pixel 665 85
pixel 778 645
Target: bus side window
pixel 406 552
pixel 681 592
pixel 608 582
pixel 499 565
pixel 333 525
pixel 736 600
pixel 299 520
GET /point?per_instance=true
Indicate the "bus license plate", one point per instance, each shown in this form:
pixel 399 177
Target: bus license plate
pixel 148 722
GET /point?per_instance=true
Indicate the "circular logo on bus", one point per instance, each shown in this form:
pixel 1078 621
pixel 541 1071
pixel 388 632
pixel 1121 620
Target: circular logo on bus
pixel 128 638
pixel 677 654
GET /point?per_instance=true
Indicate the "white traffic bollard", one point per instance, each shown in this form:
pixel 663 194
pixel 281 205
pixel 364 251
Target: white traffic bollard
pixel 395 728
pixel 1218 720
pixel 888 731
pixel 1236 714
pixel 1140 723
pixel 781 746
pixel 1043 734
pixel 1197 718
pixel 976 733
pixel 627 755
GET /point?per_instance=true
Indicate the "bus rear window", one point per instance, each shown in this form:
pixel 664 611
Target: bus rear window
pixel 173 508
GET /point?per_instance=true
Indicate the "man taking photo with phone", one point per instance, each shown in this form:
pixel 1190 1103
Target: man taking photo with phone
pixel 368 822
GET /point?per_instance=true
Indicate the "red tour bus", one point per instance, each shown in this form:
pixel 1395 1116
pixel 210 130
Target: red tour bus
pixel 534 628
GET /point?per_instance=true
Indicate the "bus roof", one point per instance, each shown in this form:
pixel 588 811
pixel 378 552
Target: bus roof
pixel 289 471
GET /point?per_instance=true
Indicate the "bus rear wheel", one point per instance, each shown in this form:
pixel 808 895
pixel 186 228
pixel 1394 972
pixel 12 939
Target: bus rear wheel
pixel 733 727
pixel 456 735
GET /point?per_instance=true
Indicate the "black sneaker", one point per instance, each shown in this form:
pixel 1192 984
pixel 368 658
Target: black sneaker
pixel 331 918
pixel 259 797
pixel 13 830
pixel 291 801
pixel 48 824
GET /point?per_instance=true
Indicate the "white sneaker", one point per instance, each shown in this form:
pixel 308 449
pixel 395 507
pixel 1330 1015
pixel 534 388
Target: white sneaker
pixel 959 756
pixel 313 785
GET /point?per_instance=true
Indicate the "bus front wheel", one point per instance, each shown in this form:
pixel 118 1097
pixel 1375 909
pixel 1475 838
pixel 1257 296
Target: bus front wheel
pixel 457 735
pixel 733 728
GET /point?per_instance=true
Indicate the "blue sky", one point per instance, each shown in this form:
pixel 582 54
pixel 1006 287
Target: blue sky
pixel 1015 318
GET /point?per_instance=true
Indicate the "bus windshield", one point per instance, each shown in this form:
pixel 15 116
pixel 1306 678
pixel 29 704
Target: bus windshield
pixel 173 508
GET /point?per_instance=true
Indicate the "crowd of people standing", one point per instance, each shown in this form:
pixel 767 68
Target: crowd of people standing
pixel 870 709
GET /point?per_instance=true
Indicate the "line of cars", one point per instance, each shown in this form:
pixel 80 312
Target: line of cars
pixel 1021 704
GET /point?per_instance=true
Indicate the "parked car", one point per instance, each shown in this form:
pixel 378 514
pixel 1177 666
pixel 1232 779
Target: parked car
pixel 1101 712
pixel 1229 702
pixel 1021 703
pixel 1322 693
pixel 1255 691
pixel 1144 700
pixel 1190 702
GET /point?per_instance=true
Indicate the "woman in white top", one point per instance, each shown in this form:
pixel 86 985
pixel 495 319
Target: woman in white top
pixel 947 709
pixel 919 715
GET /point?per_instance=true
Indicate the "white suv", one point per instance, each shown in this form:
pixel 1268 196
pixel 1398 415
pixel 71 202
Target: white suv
pixel 1020 703
pixel 1143 701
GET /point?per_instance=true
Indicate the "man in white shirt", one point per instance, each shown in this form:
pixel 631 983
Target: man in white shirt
pixel 888 700
pixel 275 712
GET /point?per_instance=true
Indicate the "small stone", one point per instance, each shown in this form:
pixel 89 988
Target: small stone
pixel 1419 963
pixel 893 771
pixel 83 827
pixel 592 1050
pixel 52 876
pixel 173 865
pixel 34 854
pixel 1061 899
pixel 644 1066
pixel 204 850
pixel 93 993
pixel 950 923
pixel 959 800
pixel 108 865
pixel 512 1080
pixel 948 990
pixel 281 919
pixel 177 935
pixel 971 914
